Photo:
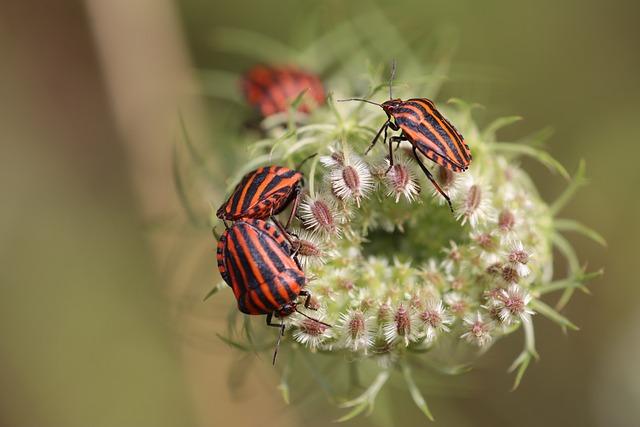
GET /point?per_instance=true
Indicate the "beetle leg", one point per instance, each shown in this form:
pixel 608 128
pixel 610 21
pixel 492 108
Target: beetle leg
pixel 294 207
pixel 287 236
pixel 390 155
pixel 280 335
pixel 433 181
pixel 375 139
pixel 271 323
pixel 396 139
pixel 307 300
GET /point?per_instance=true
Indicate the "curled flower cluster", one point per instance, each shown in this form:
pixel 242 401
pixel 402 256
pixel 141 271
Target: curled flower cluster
pixel 392 269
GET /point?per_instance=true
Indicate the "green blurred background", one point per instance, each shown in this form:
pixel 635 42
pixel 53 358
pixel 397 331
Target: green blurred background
pixel 100 316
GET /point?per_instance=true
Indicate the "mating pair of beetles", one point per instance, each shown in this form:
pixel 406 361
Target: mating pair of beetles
pixel 257 259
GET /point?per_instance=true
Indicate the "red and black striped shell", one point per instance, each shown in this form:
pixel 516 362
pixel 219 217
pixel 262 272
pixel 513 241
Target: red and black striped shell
pixel 261 193
pixel 430 132
pixel 272 88
pixel 254 259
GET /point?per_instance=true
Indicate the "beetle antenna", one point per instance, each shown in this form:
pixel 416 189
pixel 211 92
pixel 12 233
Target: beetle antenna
pixel 275 351
pixel 304 160
pixel 361 100
pixel 393 74
pixel 311 318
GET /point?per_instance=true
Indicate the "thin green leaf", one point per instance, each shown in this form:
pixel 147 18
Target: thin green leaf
pixel 569 253
pixel 233 343
pixel 312 175
pixel 526 150
pixel 334 109
pixel 521 363
pixel 193 218
pixel 214 291
pixel 537 139
pixel 317 127
pixel 248 333
pixel 572 282
pixel 293 110
pixel 552 315
pixel 416 395
pixel 366 399
pixel 298 145
pixel 282 139
pixel 571 225
pixel 194 154
pixel 579 180
pixel 357 410
pixel 489 133
pixel 283 386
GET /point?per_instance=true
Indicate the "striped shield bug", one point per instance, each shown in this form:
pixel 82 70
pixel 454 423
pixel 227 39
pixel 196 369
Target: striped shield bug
pixel 429 132
pixel 263 193
pixel 272 88
pixel 256 261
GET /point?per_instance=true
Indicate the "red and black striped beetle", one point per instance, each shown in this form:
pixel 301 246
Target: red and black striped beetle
pixel 272 88
pixel 428 131
pixel 263 193
pixel 255 260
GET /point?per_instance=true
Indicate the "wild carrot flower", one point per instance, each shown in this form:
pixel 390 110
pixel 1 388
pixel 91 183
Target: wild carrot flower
pixel 435 319
pixel 319 213
pixel 310 247
pixel 351 178
pixel 395 278
pixel 511 304
pixel 473 203
pixel 402 326
pixel 310 332
pixel 478 329
pixel 518 258
pixel 356 330
pixel 401 181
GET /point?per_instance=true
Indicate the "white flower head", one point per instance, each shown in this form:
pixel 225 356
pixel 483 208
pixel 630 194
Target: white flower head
pixel 507 220
pixel 447 180
pixel 486 244
pixel 518 258
pixel 457 302
pixel 401 181
pixel 319 213
pixel 311 331
pixel 311 250
pixel 351 180
pixel 433 274
pixel 435 319
pixel 478 329
pixel 402 327
pixel 453 257
pixel 511 304
pixel 473 201
pixel 335 160
pixel 356 331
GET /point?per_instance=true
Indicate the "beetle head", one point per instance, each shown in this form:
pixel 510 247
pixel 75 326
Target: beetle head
pixel 391 105
pixel 286 309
